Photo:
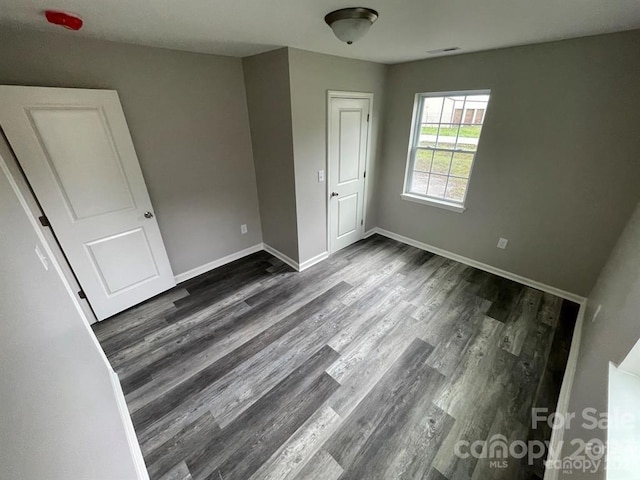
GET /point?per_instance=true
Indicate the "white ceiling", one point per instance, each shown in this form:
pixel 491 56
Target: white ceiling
pixel 406 29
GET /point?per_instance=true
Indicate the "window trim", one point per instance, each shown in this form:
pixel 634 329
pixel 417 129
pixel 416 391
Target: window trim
pixel 435 202
pixel 416 124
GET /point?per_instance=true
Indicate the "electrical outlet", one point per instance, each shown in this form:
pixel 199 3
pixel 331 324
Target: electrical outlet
pixel 502 243
pixel 320 176
pixel 243 228
pixel 597 312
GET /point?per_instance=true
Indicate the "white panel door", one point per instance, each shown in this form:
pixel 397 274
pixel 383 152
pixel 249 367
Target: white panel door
pixel 348 140
pixel 76 151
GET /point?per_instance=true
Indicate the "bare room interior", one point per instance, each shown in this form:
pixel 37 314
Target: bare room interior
pixel 315 240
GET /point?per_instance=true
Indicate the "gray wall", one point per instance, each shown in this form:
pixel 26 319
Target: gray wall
pixel 266 79
pixel 612 335
pixel 188 117
pixel 312 75
pixel 557 169
pixel 59 418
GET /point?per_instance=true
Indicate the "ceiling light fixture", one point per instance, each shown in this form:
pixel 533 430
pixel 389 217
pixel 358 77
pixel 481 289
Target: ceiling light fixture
pixel 351 24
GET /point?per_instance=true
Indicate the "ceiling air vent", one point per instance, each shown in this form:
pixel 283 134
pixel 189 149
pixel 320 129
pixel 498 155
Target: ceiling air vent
pixel 443 50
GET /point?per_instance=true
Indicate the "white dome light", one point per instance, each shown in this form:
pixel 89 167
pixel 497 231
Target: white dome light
pixel 351 24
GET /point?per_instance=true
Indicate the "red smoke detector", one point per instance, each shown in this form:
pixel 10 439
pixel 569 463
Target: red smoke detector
pixel 65 19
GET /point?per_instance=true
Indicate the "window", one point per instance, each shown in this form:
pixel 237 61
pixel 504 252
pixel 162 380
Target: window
pixel 443 147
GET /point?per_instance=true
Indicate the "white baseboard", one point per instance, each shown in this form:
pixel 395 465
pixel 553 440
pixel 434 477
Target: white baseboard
pixel 482 266
pixel 194 272
pixel 132 439
pixel 312 261
pixel 368 233
pixel 557 434
pixel 278 254
pixel 181 277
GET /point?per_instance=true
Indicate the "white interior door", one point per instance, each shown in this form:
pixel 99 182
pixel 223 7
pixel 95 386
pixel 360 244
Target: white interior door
pixel 76 151
pixel 348 140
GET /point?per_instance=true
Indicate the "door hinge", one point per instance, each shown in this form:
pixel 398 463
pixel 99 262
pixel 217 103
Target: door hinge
pixel 365 174
pixel 362 222
pixel 367 117
pixel 82 295
pixel 44 221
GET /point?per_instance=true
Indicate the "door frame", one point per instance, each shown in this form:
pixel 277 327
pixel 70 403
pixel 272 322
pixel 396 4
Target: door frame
pixel 17 176
pixel 331 94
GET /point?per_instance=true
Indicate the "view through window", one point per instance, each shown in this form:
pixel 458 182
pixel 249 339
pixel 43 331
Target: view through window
pixel 444 144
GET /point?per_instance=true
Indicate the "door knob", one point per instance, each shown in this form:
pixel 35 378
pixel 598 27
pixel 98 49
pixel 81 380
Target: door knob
pixel 148 215
pixel 334 194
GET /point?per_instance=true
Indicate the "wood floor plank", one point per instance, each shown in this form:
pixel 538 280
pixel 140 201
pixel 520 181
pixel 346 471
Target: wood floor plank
pixel 363 312
pixel 215 276
pixel 159 344
pixel 442 281
pixel 236 391
pixel 322 466
pixel 246 461
pixel 161 348
pixel 301 447
pixel 434 474
pixel 365 371
pixel 162 459
pixel 202 380
pixel 480 354
pixel 378 332
pixel 404 444
pixel 138 314
pixel 520 320
pixel 213 345
pixel 369 365
pixel 122 340
pixel 178 472
pixel 471 396
pixel 445 311
pixel 407 375
pixel 277 414
pixel 503 294
pixel 206 302
pixel 202 384
pixel 373 280
pixel 510 430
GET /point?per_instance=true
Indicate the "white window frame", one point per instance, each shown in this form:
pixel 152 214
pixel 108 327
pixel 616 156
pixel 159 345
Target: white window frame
pixel 416 126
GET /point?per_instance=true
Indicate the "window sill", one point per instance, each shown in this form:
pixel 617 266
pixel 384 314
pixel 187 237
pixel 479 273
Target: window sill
pixel 454 207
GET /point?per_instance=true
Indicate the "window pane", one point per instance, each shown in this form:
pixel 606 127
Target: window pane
pixel 441 162
pixel 461 165
pixel 437 184
pixel 457 115
pixel 447 136
pixel 468 115
pixel 423 160
pixel 468 137
pixel 419 181
pixel 449 108
pixel 428 134
pixel 456 189
pixel 470 131
pixel 432 109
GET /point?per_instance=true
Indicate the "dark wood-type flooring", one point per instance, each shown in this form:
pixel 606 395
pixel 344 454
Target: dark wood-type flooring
pixel 369 365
